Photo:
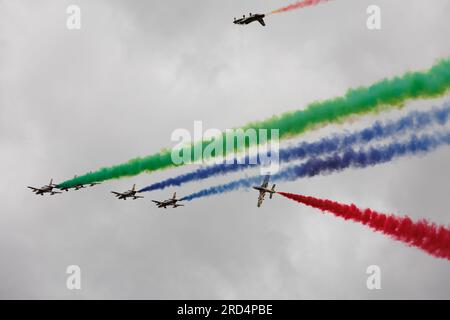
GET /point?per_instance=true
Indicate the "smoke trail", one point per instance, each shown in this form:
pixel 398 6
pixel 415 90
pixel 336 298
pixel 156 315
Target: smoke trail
pixel 336 162
pixel 379 96
pixel 431 238
pixel 413 121
pixel 298 5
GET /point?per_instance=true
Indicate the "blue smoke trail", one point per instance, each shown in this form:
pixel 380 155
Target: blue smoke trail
pixel 349 159
pixel 413 121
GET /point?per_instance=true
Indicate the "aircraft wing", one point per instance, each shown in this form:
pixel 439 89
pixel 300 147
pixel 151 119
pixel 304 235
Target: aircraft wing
pixel 178 205
pixel 158 203
pixel 33 188
pixel 118 194
pixel 266 181
pixel 262 22
pixel 261 198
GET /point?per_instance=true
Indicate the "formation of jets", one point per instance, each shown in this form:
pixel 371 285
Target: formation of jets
pixel 132 193
pixel 172 202
pixel 263 189
pixel 251 18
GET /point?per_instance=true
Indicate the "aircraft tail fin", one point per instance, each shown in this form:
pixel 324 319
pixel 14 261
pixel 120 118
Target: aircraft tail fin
pixel 51 182
pixel 134 187
pixel 273 191
pixel 261 20
pixel 174 195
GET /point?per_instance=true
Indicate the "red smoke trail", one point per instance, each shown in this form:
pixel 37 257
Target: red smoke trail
pixel 298 5
pixel 431 238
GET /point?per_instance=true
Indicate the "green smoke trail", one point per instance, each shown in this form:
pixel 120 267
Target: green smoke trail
pixel 382 95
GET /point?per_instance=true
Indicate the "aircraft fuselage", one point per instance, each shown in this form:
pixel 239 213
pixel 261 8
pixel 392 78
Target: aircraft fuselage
pixel 251 18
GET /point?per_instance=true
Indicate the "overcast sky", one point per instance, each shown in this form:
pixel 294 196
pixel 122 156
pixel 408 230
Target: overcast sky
pixel 74 101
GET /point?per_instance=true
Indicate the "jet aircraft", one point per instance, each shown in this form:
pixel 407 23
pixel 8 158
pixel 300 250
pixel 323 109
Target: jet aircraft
pixel 45 189
pixel 263 190
pixel 251 18
pixel 80 186
pixel 169 202
pixel 127 194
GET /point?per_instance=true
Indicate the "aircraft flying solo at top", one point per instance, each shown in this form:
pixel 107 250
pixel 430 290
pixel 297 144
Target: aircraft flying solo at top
pixel 251 18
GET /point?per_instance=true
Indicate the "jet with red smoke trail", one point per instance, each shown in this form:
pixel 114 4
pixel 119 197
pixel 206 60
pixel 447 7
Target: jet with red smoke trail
pixel 251 18
pixel 263 189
